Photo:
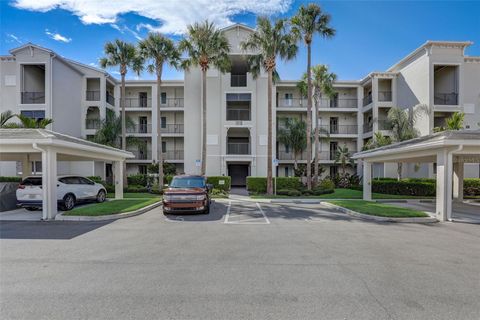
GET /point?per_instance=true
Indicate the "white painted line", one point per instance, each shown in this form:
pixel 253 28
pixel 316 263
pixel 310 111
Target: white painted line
pixel 176 219
pixel 263 213
pixel 227 215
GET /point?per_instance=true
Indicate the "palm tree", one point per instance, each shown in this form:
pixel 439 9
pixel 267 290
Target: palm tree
pixel 322 84
pixel 293 135
pixel 4 117
pixel 343 157
pixel 110 130
pixel 159 50
pixel 455 122
pixel 268 42
pixel 309 21
pixel 206 47
pixel 402 123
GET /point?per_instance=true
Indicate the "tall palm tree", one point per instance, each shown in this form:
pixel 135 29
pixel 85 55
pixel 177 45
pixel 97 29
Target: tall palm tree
pixel 322 84
pixel 308 21
pixel 206 47
pixel 344 158
pixel 402 123
pixel 269 41
pixel 124 55
pixel 293 135
pixel 159 50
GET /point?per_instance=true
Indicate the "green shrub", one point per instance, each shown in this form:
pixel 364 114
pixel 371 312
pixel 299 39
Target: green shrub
pixel 293 183
pixel 10 179
pixel 404 187
pixel 156 189
pixel 110 188
pixel 219 193
pixel 167 179
pixel 326 184
pixel 307 192
pixel 294 193
pixel 257 184
pixel 320 191
pixel 140 179
pixel 283 192
pixel 136 188
pixel 471 186
pixel 96 179
pixel 215 180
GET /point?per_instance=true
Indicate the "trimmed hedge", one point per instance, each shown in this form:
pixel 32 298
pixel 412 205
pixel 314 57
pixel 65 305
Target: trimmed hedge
pixel 293 183
pixel 259 184
pixel 471 186
pixel 216 184
pixel 140 179
pixel 10 179
pixel 404 187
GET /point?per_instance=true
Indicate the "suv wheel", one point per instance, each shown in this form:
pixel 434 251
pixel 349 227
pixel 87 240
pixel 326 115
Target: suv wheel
pixel 101 196
pixel 68 202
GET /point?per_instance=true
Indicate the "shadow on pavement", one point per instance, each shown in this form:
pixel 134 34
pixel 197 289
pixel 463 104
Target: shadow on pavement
pixel 51 230
pixel 217 212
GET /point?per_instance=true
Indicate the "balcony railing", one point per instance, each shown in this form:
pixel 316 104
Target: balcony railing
pixel 33 97
pixel 238 80
pixel 140 128
pixel 172 103
pixel 172 128
pixel 367 127
pixel 235 114
pixel 93 123
pixel 142 154
pixel 367 100
pixel 385 96
pixel 238 148
pixel 341 129
pixel 384 125
pixel 290 155
pixel 446 98
pixel 110 99
pixel 93 95
pixel 138 102
pixel 173 155
pixel 338 103
pixel 292 103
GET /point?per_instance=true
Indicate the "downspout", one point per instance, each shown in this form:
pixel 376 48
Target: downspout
pixel 450 153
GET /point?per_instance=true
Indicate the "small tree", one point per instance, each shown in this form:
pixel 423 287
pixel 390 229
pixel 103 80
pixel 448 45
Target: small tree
pixel 344 158
pixel 293 136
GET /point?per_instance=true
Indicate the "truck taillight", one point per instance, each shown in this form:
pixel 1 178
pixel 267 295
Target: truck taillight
pixel 21 186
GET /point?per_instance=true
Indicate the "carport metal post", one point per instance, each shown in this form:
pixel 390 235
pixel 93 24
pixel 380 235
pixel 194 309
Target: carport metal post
pixel 49 183
pixel 444 185
pixel 367 181
pixel 118 176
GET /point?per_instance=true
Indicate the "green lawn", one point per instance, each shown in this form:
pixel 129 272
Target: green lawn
pixel 128 195
pixel 343 194
pixel 111 207
pixel 378 209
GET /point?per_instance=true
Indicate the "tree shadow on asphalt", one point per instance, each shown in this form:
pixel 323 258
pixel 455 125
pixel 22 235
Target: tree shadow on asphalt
pixel 47 230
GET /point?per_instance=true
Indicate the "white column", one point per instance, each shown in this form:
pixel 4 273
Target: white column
pixel 118 178
pixel 458 169
pixel 367 181
pixel 49 184
pixel 444 186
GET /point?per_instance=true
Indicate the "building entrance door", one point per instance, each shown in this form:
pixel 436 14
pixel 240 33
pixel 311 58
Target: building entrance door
pixel 238 173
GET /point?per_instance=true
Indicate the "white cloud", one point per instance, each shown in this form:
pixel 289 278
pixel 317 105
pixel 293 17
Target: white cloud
pixel 57 36
pixel 13 38
pixel 122 30
pixel 172 16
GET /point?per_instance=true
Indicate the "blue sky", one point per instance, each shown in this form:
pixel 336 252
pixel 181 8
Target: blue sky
pixel 371 35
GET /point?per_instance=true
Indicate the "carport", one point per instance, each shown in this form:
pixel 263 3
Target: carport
pixel 448 149
pixel 27 145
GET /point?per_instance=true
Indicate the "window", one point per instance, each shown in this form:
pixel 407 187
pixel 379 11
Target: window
pixel 163 122
pixel 287 148
pixel 288 99
pixel 164 146
pixel 163 98
pixel 36 167
pixel 85 181
pixel 34 114
pixel 333 171
pixel 142 169
pixel 286 171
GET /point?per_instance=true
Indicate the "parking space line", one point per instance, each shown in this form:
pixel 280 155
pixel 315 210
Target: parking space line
pixel 263 213
pixel 227 215
pixel 248 219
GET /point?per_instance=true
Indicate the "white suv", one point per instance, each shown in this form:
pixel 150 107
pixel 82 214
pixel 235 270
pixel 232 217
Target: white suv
pixel 70 190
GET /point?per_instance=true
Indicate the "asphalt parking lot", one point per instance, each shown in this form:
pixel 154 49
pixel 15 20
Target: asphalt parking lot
pixel 245 260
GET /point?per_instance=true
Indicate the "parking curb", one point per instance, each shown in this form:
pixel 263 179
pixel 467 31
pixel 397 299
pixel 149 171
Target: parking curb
pixel 378 218
pixel 62 217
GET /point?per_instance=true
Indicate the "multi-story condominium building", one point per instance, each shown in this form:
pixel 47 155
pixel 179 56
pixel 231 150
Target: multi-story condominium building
pixel 39 83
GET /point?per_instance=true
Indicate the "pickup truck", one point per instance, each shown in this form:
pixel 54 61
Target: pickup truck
pixel 187 194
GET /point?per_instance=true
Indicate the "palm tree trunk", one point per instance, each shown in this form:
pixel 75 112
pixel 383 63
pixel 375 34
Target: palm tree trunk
pixel 317 146
pixel 124 130
pixel 309 118
pixel 295 162
pixel 159 129
pixel 269 134
pixel 204 121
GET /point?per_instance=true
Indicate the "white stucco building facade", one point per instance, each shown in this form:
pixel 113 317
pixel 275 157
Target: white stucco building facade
pixel 38 82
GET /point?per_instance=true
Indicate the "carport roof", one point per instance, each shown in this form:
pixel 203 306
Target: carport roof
pixel 47 137
pixel 426 144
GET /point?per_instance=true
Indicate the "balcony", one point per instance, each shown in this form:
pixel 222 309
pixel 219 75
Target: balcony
pixel 172 103
pixel 238 148
pixel 238 80
pixel 446 99
pixel 140 128
pixel 172 128
pixel 367 127
pixel 142 154
pixel 292 103
pixel 238 114
pixel 33 97
pixel 93 95
pixel 284 155
pixel 110 99
pixel 138 102
pixel 341 129
pixel 385 96
pixel 367 100
pixel 93 123
pixel 384 125
pixel 338 103
pixel 173 155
